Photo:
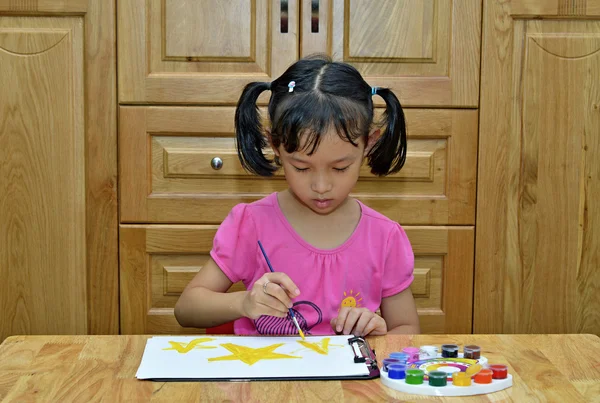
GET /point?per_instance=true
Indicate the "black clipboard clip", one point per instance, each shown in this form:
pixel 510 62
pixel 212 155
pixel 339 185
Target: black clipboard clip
pixel 364 354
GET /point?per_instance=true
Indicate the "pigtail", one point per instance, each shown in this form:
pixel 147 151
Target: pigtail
pixel 250 138
pixel 389 153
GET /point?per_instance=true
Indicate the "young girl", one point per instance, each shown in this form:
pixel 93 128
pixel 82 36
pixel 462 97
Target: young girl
pixel 336 260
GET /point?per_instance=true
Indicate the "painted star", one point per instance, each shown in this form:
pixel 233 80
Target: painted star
pixel 321 348
pixel 251 355
pixel 184 348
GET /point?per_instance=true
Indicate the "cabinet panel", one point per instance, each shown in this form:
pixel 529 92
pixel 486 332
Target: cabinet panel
pixel 427 51
pixel 58 164
pixel 42 190
pixel 202 51
pixel 44 7
pixel 538 216
pixel 205 51
pixel 157 262
pixel 167 176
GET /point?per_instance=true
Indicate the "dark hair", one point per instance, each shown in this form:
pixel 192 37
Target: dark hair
pixel 326 95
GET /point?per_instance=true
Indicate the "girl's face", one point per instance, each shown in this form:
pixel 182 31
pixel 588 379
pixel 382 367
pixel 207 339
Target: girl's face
pixel 322 181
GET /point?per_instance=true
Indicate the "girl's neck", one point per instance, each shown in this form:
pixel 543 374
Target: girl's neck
pixel 322 231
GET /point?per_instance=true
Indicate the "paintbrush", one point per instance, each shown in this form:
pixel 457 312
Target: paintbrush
pixel 289 309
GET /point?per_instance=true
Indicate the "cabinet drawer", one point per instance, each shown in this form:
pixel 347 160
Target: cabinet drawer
pixel 166 176
pixel 157 261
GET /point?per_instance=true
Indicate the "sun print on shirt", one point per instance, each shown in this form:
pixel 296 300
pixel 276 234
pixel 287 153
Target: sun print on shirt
pixel 351 300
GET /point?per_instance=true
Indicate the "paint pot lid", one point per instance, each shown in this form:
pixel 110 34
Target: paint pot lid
pixel 389 361
pixel 400 356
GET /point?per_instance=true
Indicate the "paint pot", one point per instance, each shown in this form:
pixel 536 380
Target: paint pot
pixel 413 353
pixel 499 371
pixel 397 371
pixel 426 352
pixel 402 357
pixel 414 376
pixel 461 379
pixel 472 351
pixel 483 376
pixel 388 361
pixel 449 350
pixel 438 378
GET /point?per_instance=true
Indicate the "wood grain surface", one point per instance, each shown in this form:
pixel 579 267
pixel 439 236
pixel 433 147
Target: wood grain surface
pixel 556 368
pixel 58 153
pixel 42 166
pixel 537 232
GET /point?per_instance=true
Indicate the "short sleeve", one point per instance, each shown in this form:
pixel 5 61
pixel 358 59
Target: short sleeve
pixel 399 263
pixel 234 245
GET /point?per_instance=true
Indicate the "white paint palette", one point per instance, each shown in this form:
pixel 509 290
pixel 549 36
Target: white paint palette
pixel 449 390
pixel 481 378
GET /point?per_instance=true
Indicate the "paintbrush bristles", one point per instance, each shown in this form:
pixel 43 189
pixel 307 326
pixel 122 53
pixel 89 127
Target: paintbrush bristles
pixel 298 326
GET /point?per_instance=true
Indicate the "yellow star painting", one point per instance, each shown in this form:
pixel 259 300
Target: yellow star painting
pixel 251 355
pixel 319 347
pixel 184 348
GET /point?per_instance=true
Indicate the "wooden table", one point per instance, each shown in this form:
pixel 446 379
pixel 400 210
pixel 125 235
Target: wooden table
pixel 557 368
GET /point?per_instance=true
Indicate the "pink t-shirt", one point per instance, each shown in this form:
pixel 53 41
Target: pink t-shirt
pixel 375 262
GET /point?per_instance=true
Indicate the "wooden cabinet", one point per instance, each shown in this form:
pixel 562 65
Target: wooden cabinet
pixel 182 66
pixel 205 51
pixel 58 159
pixel 189 51
pixel 157 261
pixel 538 217
pixel 166 174
pixel 426 50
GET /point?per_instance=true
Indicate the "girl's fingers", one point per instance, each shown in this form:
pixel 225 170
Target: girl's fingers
pixel 284 281
pixel 371 325
pixel 362 322
pixel 351 320
pixel 341 319
pixel 272 303
pixel 273 290
pixel 268 310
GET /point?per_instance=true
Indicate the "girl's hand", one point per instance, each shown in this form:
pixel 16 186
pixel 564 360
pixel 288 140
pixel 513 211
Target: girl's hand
pixel 270 295
pixel 359 321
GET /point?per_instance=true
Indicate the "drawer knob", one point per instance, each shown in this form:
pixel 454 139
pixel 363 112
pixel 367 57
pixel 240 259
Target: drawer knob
pixel 216 163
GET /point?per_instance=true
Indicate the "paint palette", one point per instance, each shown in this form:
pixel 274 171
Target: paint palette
pixel 424 371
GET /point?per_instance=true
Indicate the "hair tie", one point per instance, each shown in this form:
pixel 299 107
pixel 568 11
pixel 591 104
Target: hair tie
pixel 291 86
pixel 269 86
pixel 374 90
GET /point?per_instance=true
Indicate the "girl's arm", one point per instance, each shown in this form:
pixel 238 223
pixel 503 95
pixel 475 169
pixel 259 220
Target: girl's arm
pixel 400 313
pixel 205 302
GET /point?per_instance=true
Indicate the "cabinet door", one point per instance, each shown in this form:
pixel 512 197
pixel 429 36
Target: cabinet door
pixel 58 168
pixel 427 51
pixel 538 216
pixel 202 51
pixel 167 153
pixel 157 262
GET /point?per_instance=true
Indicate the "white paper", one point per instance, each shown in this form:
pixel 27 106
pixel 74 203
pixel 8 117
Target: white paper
pixel 162 360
